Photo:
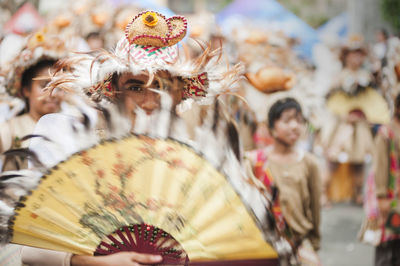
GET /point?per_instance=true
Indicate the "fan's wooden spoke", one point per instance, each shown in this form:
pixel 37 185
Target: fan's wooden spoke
pixel 163 242
pixel 124 240
pixel 158 237
pixel 100 251
pixel 110 247
pixel 137 236
pixel 128 233
pixel 118 244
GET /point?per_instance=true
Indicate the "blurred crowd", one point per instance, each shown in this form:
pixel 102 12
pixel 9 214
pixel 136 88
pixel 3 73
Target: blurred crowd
pixel 340 108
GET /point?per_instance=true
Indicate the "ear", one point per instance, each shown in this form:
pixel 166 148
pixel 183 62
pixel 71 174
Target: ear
pixel 26 92
pixel 271 132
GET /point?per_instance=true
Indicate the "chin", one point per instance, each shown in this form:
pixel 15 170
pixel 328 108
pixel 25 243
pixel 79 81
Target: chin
pixel 51 110
pixel 292 142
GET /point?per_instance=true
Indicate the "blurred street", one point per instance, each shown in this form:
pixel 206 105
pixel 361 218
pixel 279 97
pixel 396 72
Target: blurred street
pixel 340 246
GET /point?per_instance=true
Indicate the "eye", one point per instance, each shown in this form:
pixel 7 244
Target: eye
pixel 286 119
pixel 135 88
pixel 43 84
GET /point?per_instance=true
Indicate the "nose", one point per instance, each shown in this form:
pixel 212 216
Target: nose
pixel 57 93
pixel 294 124
pixel 151 101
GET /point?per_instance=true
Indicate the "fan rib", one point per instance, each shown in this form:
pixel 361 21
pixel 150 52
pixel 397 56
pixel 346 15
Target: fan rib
pixel 127 243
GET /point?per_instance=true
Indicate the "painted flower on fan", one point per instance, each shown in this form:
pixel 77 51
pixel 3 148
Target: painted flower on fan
pixel 117 169
pixel 116 201
pixel 113 188
pixel 171 149
pixel 176 163
pixel 131 197
pixel 129 172
pixel 86 159
pixel 152 204
pixel 150 19
pixel 100 173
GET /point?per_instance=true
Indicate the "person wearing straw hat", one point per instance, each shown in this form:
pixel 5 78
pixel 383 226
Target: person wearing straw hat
pixel 22 79
pixel 24 63
pixel 356 105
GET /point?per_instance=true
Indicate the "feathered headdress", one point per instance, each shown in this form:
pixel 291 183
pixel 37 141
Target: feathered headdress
pixel 25 53
pixel 149 45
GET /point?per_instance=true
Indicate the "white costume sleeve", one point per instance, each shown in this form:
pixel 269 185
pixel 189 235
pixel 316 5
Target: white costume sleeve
pixel 42 257
pixel 62 135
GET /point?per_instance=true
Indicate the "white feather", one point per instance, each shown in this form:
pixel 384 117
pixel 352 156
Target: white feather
pixel 5 210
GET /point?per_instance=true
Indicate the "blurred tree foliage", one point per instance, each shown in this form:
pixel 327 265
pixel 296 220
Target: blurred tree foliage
pixel 391 13
pixel 305 9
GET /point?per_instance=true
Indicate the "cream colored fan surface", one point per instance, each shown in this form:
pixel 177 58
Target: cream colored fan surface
pixel 139 192
pixel 369 101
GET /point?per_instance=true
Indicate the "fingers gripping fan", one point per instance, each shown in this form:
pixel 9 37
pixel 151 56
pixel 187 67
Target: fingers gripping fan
pixel 145 195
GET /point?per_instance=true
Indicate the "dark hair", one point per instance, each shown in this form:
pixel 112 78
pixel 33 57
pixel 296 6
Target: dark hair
pixel 385 33
pixel 279 107
pixel 397 101
pixel 114 80
pixel 93 34
pixel 31 72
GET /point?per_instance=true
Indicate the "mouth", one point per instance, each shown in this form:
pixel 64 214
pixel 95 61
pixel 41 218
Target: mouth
pixel 294 136
pixel 52 103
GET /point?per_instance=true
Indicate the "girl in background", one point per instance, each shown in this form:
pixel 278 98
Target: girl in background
pixel 292 175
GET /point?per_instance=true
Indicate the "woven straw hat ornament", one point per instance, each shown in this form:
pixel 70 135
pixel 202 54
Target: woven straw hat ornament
pixel 152 28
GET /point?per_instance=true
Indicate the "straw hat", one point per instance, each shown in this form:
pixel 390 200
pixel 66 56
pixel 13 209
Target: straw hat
pixel 152 28
pixel 271 79
pixel 28 52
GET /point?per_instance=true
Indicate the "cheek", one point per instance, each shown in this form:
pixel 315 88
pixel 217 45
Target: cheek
pixel 35 94
pixel 280 129
pixel 176 96
pixel 129 103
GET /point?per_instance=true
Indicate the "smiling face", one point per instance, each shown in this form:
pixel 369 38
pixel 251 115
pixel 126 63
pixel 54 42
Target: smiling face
pixel 39 102
pixel 134 91
pixel 289 127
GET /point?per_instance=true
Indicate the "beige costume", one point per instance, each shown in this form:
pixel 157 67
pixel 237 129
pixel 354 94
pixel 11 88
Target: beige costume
pixel 11 133
pixel 299 194
pixel 348 142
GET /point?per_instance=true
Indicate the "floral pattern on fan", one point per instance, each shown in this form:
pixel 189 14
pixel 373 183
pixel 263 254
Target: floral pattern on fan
pixel 122 201
pixel 144 238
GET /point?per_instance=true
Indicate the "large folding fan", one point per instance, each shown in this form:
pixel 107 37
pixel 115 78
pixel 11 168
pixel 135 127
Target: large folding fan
pixel 146 195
